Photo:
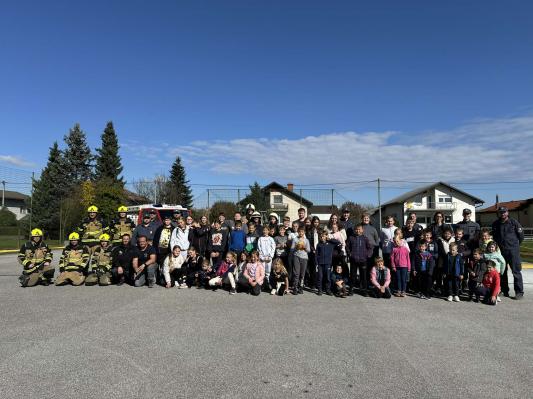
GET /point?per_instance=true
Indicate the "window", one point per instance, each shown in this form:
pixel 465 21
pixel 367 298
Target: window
pixel 445 199
pixel 278 199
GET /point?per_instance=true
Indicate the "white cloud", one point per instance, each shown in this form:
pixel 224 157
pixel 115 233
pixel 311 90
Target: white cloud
pixel 481 150
pixel 16 161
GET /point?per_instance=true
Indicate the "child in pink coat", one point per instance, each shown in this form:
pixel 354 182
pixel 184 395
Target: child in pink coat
pixel 401 265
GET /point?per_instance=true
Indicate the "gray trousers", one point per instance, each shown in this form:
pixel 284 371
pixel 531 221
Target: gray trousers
pixel 299 265
pixel 148 274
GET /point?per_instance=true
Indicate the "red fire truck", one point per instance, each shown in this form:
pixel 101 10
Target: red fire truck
pixel 136 212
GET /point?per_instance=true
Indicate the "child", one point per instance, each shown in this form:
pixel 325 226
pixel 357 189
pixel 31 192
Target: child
pixel 281 245
pixel 484 239
pixel 465 251
pixel 279 278
pixel 359 251
pixel 453 271
pixel 238 239
pixel 444 248
pixel 300 249
pixel 324 257
pixel 225 273
pixel 243 260
pixel 193 266
pixel 476 271
pixel 174 269
pixel 251 238
pixel 423 270
pixel 380 279
pixel 205 274
pixel 253 276
pixel 401 265
pixel 218 243
pixel 387 239
pixel 266 246
pixel 490 286
pixel 339 282
pixel 493 253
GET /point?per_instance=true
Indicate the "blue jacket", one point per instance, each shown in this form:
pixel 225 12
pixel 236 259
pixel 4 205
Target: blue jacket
pixel 424 262
pixel 454 265
pixel 359 248
pixel 324 252
pixel 238 241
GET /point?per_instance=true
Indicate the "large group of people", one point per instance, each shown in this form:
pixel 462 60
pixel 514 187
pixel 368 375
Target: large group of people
pixel 340 257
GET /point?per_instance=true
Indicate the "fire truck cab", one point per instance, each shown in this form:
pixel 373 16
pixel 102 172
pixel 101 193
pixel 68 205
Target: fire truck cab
pixel 136 212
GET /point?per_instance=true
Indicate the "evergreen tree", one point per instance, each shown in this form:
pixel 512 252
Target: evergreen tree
pixel 178 189
pixel 258 197
pixel 108 163
pixel 48 193
pixel 78 157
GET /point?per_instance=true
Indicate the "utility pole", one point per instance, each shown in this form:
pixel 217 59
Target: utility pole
pixel 379 202
pixel 31 196
pixel 332 191
pixel 208 203
pixel 3 193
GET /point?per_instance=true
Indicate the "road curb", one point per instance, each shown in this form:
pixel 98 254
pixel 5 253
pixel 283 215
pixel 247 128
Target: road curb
pixel 14 251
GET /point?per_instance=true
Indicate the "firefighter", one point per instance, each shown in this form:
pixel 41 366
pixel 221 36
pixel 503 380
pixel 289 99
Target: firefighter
pixel 73 262
pixel 122 225
pixel 36 258
pixel 101 262
pixel 91 228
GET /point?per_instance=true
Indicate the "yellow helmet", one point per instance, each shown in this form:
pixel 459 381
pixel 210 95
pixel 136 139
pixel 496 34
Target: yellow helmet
pixel 122 208
pixel 92 208
pixel 36 233
pixel 104 237
pixel 74 236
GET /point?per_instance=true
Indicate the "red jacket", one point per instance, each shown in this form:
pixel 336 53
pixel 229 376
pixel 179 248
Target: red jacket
pixel 492 280
pixel 400 258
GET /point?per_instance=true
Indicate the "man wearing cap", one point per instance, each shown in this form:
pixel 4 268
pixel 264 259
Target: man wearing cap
pixel 346 223
pixel 176 216
pixel 101 263
pixel 91 229
pixel 36 258
pixel 508 234
pixel 121 225
pixel 470 229
pixel 154 220
pixel 146 229
pixel 416 226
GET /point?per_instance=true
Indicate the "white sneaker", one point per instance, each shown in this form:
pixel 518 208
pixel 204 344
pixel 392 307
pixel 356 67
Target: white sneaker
pixel 498 299
pixel 183 285
pixel 456 299
pixel 273 292
pixel 450 298
pixel 177 285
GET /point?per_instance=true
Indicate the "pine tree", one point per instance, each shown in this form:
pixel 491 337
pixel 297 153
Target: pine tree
pixel 78 157
pixel 178 189
pixel 108 163
pixel 257 197
pixel 48 193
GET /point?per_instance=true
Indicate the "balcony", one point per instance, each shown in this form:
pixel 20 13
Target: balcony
pixel 280 206
pixel 431 206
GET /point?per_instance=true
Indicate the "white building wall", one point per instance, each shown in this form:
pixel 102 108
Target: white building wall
pixel 292 205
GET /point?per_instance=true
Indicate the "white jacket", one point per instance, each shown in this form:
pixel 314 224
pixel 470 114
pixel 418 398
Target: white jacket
pixel 170 263
pixel 180 238
pixel 266 246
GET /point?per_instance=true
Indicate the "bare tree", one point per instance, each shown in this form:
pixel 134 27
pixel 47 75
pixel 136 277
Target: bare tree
pixel 155 188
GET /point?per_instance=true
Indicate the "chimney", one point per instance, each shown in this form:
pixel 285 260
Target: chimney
pixel 290 186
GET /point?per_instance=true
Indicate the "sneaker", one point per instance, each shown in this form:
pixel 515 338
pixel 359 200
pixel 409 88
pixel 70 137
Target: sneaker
pixel 450 298
pixel 397 294
pixel 177 285
pixel 319 293
pixel 428 298
pixel 233 291
pixel 506 294
pixel 294 292
pixel 456 299
pixel 519 296
pixel 273 292
pixel 402 294
pixel 183 285
pixel 422 296
pixel 498 299
pixel 300 291
pixel 150 285
pixel 365 293
pixel 329 293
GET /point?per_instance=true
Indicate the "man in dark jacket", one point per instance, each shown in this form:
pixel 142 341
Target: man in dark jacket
pixel 470 229
pixel 508 234
pixel 147 229
pixel 122 256
pixel 324 257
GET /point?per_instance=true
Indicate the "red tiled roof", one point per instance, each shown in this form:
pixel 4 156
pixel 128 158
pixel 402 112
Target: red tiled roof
pixel 511 205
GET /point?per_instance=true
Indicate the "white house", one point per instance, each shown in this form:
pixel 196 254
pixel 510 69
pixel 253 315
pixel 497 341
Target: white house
pixel 16 202
pixel 284 201
pixel 427 200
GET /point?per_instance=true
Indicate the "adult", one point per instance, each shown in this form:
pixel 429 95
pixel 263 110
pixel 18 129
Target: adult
pixel 154 220
pixel 162 240
pixel 121 225
pixel 200 235
pixel 180 237
pixel 91 229
pixel 249 210
pixel 371 233
pixel 36 258
pixel 101 262
pixel 144 263
pixel 73 262
pixel 333 220
pixel 438 226
pixel 470 229
pixel 122 256
pixel 416 226
pixel 508 234
pixel 176 215
pixel 146 228
pixel 301 217
pixel 346 222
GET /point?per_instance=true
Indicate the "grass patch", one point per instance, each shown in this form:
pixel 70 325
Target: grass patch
pixel 526 251
pixel 11 242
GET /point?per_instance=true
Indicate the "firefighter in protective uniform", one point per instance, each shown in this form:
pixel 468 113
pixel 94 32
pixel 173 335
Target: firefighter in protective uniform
pixel 91 229
pixel 120 226
pixel 101 262
pixel 73 262
pixel 36 258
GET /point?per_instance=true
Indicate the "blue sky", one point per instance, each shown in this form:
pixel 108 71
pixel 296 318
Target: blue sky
pixel 301 91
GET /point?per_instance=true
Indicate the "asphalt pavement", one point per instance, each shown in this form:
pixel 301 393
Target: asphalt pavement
pixel 125 342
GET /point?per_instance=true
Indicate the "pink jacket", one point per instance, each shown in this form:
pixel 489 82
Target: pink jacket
pixel 400 257
pixel 259 271
pixel 374 279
